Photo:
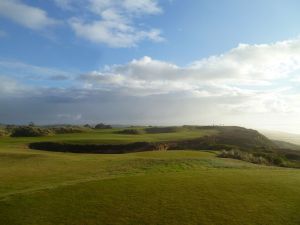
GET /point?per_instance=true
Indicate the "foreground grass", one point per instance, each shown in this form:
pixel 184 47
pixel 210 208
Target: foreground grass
pixel 174 187
pixel 181 187
pixel 232 196
pixel 28 172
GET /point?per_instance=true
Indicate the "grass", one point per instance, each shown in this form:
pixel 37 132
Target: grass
pixel 173 187
pixel 109 136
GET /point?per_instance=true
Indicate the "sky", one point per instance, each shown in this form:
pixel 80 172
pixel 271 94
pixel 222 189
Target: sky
pixel 151 62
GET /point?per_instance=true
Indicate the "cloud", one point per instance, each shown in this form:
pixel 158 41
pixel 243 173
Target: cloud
pixel 265 61
pixel 248 65
pixel 115 24
pixel 113 33
pixel 11 87
pixel 249 79
pixel 129 7
pixel 250 85
pixel 25 71
pixel 25 15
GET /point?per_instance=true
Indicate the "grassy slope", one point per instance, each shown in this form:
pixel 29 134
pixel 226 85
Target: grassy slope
pixel 176 187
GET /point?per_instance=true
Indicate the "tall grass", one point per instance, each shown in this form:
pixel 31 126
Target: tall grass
pixel 257 158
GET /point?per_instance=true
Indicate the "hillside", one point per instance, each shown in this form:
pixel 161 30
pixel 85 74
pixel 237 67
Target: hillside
pixel 227 137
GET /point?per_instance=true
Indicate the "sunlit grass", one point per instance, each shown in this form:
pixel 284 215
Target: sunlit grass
pixel 172 187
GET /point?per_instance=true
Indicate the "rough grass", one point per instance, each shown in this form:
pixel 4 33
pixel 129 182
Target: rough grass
pixel 173 187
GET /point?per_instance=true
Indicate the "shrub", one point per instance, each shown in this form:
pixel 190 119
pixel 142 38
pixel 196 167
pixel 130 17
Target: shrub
pixel 3 133
pixel 102 126
pixel 245 156
pixel 155 130
pixel 277 160
pixel 130 131
pixel 29 131
pixel 68 130
pixel 97 148
pixel 10 128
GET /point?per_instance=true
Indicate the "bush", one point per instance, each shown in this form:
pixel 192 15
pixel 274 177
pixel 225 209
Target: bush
pixel 29 131
pixel 277 160
pixel 102 126
pixel 155 130
pixel 3 133
pixel 98 148
pixel 68 130
pixel 10 128
pixel 130 131
pixel 245 156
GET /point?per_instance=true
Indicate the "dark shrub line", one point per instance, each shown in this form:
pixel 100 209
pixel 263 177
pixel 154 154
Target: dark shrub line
pixel 97 148
pixel 130 131
pixel 30 131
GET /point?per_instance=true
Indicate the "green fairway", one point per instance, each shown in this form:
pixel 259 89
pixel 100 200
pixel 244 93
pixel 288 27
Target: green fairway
pixel 168 187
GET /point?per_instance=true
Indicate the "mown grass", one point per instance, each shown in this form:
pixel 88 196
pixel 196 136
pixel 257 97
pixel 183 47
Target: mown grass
pixel 173 187
pixel 22 172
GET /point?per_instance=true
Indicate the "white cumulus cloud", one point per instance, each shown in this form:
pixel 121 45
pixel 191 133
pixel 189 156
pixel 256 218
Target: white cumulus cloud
pixel 254 65
pixel 25 15
pixel 248 78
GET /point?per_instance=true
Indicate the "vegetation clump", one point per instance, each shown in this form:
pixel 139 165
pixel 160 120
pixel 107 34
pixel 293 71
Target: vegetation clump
pixel 131 131
pixel 3 133
pixel 98 148
pixel 257 157
pixel 156 130
pixel 30 131
pixel 245 156
pixel 103 126
pixel 9 128
pixel 69 130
